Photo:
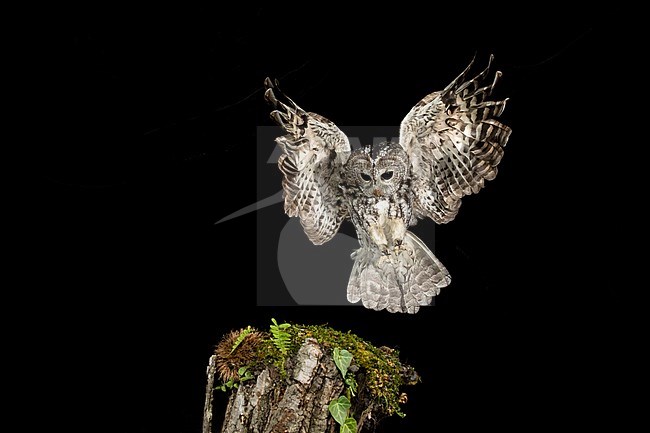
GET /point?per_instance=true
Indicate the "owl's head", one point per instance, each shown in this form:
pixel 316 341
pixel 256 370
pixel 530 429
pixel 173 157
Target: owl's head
pixel 377 170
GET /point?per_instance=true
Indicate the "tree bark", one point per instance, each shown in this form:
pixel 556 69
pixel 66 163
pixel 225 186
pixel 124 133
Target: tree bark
pixel 209 391
pixel 297 402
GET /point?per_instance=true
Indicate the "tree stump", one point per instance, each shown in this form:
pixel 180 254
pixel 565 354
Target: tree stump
pixel 294 395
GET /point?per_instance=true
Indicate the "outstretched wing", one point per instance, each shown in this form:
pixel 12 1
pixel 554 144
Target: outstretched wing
pixel 314 151
pixel 454 143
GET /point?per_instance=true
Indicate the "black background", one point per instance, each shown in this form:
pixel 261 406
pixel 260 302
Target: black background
pixel 151 120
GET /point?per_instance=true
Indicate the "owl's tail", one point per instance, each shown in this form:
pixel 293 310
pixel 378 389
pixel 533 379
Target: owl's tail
pixel 400 282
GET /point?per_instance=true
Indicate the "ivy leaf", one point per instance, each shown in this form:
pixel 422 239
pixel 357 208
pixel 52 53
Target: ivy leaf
pixel 342 359
pixel 339 409
pixel 349 426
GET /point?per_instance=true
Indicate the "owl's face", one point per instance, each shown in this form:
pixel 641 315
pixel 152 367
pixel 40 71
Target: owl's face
pixel 377 170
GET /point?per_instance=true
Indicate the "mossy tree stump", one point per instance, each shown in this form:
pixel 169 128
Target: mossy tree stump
pixel 285 381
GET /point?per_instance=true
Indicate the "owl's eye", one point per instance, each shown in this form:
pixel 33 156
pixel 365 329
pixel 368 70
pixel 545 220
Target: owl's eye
pixel 365 177
pixel 387 175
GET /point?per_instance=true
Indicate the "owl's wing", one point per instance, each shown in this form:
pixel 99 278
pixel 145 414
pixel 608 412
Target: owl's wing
pixel 454 143
pixel 314 152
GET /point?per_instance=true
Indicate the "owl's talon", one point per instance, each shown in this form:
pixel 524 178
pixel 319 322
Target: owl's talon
pixel 385 257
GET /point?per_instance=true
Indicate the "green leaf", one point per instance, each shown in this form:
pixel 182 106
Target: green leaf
pixel 342 359
pixel 240 338
pixel 242 370
pixel 245 377
pixel 339 409
pixel 349 426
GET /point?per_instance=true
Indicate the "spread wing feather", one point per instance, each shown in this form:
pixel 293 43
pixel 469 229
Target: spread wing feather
pixel 454 143
pixel 314 152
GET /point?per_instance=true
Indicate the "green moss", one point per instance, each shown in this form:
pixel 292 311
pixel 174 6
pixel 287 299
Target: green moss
pixel 269 354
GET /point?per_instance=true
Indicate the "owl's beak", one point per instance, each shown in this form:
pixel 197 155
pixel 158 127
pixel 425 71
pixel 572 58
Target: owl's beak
pixel 377 192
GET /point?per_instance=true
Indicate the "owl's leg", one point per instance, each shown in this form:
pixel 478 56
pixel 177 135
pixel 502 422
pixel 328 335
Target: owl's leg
pixel 379 238
pixel 397 230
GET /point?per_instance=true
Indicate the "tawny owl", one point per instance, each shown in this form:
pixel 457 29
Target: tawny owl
pixel 450 143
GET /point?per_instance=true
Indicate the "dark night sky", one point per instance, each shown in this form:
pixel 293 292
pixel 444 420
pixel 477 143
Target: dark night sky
pixel 152 122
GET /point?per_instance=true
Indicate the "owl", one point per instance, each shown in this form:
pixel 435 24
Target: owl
pixel 450 144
